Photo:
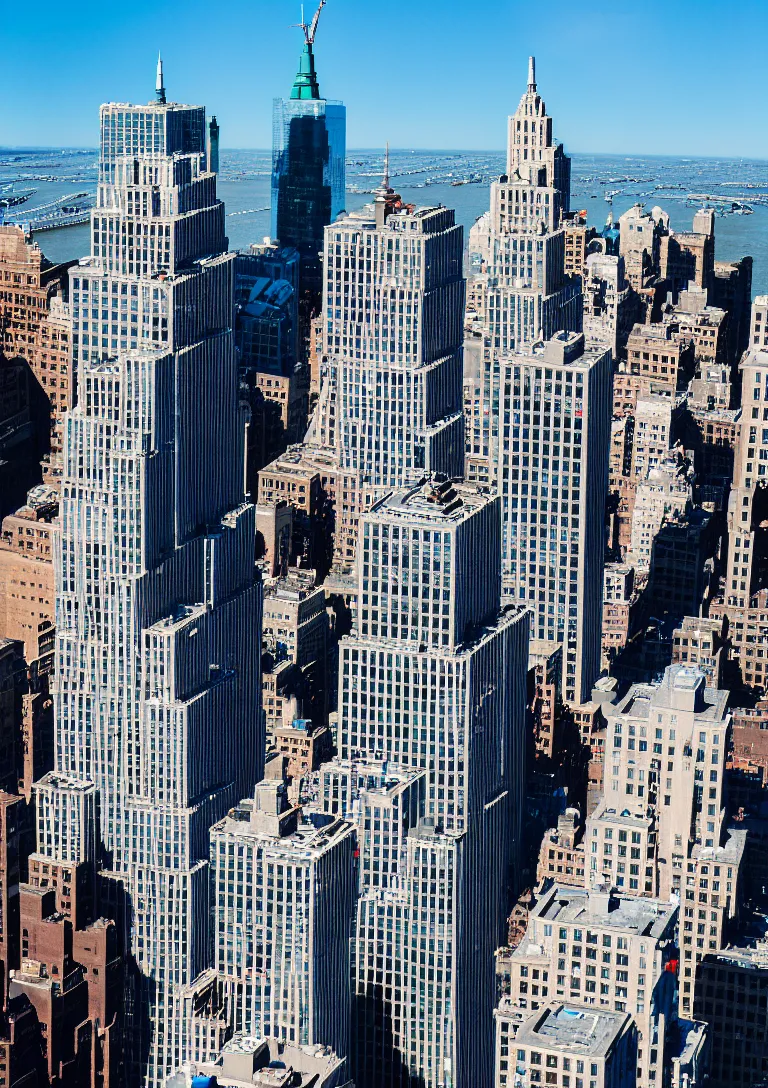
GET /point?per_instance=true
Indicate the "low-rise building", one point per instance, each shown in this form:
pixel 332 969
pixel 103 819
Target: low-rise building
pixel 561 857
pixel 35 325
pixel 248 1061
pixel 658 353
pixel 611 307
pixel 304 745
pixel 578 235
pixel 700 641
pixel 660 829
pixel 26 570
pixel 682 566
pixel 618 602
pixel 564 1044
pixel 666 493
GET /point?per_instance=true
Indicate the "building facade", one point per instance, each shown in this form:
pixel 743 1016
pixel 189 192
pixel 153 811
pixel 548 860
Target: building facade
pixel 308 168
pixel 660 828
pixel 393 304
pixel 158 721
pixel 555 418
pixel 528 295
pixel 430 738
pixel 602 951
pixel 284 902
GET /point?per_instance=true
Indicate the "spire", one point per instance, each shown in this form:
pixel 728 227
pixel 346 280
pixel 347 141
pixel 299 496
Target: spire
pixel 159 85
pixel 531 75
pixel 385 198
pixel 305 84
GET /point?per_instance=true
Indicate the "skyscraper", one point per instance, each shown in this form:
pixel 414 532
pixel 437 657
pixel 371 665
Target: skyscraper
pixel 661 826
pixel 528 295
pixel 284 898
pixel 308 165
pixel 745 601
pixel 158 721
pixel 555 415
pixel 390 404
pixel 431 764
pixel 393 305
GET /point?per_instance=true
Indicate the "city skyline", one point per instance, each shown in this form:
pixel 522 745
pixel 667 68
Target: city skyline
pixel 383 622
pixel 218 69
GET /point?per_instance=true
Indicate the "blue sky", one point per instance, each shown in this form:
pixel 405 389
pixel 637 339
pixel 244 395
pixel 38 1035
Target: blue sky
pixel 661 76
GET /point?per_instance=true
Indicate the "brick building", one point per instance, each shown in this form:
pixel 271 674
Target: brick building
pixel 35 326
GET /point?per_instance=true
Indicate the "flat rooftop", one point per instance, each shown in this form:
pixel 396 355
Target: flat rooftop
pixel 432 500
pixel 644 917
pixel 306 841
pixel 574 1029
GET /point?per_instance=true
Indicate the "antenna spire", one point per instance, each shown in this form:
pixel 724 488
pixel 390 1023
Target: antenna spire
pixel 531 74
pixel 305 85
pixel 385 181
pixel 310 35
pixel 159 85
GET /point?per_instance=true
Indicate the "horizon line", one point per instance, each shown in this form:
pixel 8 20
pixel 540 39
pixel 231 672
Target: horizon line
pixel 453 150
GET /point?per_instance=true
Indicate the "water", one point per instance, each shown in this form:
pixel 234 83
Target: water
pixel 425 177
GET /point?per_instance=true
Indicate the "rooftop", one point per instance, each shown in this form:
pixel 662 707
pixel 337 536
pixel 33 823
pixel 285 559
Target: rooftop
pixel 306 841
pixel 682 688
pixel 268 1063
pixel 435 499
pixel 563 349
pixel 644 917
pixel 424 220
pixel 573 1029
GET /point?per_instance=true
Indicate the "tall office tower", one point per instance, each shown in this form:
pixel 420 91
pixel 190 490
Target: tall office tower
pixel 432 693
pixel 660 829
pixel 158 721
pixel 529 297
pixel 308 166
pixel 745 601
pixel 286 971
pixel 555 417
pixel 390 403
pixel 393 305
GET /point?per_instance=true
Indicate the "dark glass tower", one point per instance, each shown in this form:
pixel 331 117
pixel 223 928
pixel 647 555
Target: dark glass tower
pixel 308 169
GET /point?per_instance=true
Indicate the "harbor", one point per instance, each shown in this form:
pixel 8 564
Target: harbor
pixel 48 186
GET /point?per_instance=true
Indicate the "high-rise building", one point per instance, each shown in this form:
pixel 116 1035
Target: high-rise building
pixel 393 304
pixel 158 721
pixel 555 415
pixel 528 297
pixel 601 951
pixel 390 404
pixel 660 828
pixel 745 601
pixel 284 902
pixel 431 763
pixel 308 166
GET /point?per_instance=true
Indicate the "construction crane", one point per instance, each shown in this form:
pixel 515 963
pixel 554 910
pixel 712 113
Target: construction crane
pixel 311 30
